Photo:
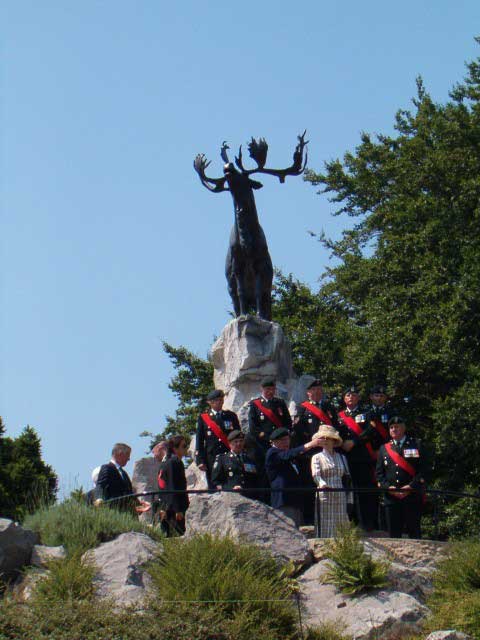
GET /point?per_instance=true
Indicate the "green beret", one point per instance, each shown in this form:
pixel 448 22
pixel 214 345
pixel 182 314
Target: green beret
pixel 281 432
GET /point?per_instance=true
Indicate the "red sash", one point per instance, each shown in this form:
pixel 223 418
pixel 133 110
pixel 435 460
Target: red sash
pixel 353 426
pixel 268 412
pixel 381 429
pixel 406 466
pixel 400 460
pixel 211 424
pixel 162 484
pixel 318 413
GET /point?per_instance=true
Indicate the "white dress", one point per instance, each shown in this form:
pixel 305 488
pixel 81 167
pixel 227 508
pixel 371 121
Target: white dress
pixel 327 471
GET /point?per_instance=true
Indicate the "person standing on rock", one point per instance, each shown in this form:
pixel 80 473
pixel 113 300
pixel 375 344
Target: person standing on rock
pixel 213 428
pixel 361 446
pixel 330 471
pixel 236 470
pixel 113 482
pixel 267 413
pixel 281 465
pixel 400 470
pixel 171 477
pixel 310 414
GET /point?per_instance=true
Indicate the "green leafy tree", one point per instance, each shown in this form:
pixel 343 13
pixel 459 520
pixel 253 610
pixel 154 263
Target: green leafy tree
pixel 26 481
pixel 191 384
pixel 407 273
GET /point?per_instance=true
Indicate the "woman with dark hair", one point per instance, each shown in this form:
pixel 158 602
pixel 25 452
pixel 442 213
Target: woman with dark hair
pixel 171 477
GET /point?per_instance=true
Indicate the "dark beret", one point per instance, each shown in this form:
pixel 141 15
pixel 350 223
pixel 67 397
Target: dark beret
pixel 281 432
pixel 396 420
pixel 315 383
pixel 268 382
pixel 351 389
pixel 235 435
pixel 379 388
pixel 216 393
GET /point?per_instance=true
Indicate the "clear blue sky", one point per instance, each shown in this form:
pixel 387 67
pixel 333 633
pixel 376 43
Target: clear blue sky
pixel 109 243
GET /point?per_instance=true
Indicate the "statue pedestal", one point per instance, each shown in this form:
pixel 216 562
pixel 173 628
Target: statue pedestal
pixel 248 350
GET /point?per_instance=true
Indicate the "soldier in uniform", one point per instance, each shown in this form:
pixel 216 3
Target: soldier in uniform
pixel 380 410
pixel 310 414
pixel 213 428
pixel 314 412
pixel 400 469
pixel 235 470
pixel 267 413
pixel 361 447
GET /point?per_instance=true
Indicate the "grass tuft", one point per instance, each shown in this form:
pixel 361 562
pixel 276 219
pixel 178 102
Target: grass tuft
pixel 351 569
pixel 79 527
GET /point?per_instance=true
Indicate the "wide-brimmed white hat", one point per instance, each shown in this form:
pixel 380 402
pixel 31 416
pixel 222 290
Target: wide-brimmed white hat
pixel 326 431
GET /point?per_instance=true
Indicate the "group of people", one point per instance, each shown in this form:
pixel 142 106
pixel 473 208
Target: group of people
pixel 357 463
pixel 324 465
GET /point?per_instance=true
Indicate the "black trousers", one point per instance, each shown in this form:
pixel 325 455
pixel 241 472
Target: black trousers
pixel 403 515
pixel 366 504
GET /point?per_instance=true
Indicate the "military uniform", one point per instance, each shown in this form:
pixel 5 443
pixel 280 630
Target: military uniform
pixel 260 427
pixel 307 422
pixel 402 513
pixel 208 445
pixel 381 416
pixel 361 460
pixel 235 469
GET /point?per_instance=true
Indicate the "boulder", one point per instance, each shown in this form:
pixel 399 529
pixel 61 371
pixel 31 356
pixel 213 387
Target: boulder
pixel 16 545
pixel 449 634
pixel 42 555
pixel 24 586
pixel 250 521
pixel 144 477
pixel 196 479
pixel 248 349
pixel 120 573
pixel 378 614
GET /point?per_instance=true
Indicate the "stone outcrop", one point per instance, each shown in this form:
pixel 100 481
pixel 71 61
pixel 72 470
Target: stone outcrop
pixel 384 613
pixel 449 634
pixel 249 521
pixel 16 545
pixel 249 349
pixel 42 555
pixel 120 567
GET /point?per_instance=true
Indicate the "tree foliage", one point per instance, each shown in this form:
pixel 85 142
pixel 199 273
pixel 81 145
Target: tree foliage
pixel 407 272
pixel 25 480
pixel 401 304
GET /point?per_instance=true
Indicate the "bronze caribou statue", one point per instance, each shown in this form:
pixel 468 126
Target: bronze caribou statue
pixel 248 266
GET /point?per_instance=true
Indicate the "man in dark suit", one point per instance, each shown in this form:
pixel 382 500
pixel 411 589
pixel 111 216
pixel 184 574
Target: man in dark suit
pixel 113 481
pixel 284 473
pixel 400 470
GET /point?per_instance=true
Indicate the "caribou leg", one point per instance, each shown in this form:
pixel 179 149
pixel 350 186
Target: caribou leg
pixel 232 290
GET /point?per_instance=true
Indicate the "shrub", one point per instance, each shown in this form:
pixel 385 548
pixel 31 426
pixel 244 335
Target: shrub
pixel 239 581
pixel 68 580
pixel 79 527
pixel 460 570
pixel 352 570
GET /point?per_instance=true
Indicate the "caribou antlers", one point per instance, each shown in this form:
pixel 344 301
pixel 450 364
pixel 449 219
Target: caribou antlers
pixel 213 184
pixel 258 152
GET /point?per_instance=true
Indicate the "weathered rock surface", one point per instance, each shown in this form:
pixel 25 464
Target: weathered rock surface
pixel 145 472
pixel 249 349
pixel 380 614
pixel 449 634
pixel 250 521
pixel 120 567
pixel 25 584
pixel 196 479
pixel 16 545
pixel 41 555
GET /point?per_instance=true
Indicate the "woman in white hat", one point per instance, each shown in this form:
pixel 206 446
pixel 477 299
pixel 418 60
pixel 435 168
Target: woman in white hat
pixel 329 467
